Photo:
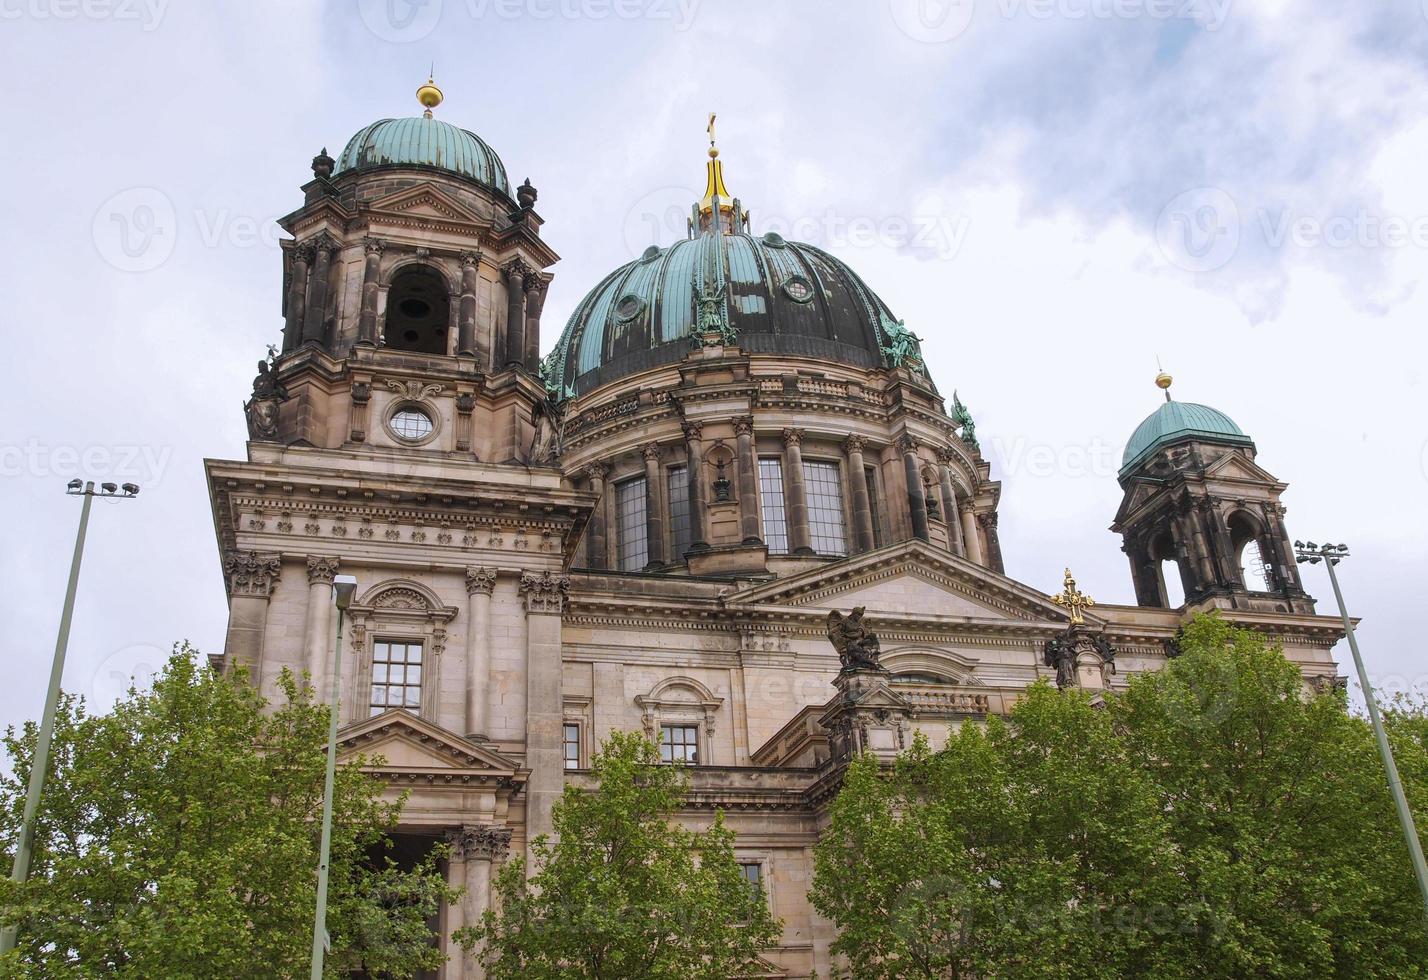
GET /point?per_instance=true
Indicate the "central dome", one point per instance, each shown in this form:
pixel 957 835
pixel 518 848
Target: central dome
pixel 765 295
pixel 424 142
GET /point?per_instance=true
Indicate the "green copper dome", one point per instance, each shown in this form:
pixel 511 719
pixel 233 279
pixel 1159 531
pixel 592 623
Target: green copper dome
pixel 1175 421
pixel 422 142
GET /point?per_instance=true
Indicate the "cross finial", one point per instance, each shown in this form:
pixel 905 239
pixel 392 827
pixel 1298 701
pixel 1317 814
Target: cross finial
pixel 713 150
pixel 1074 601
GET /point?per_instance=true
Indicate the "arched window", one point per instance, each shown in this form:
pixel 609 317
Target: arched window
pixel 1171 576
pixel 1244 538
pixel 418 309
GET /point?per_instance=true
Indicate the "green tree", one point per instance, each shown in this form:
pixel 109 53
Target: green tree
pixel 178 838
pixel 622 891
pixel 1215 820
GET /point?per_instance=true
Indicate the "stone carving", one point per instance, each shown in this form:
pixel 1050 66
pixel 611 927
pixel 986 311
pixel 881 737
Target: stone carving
pixel 713 328
pixel 400 598
pixel 414 390
pixel 723 489
pixel 481 842
pixel 268 394
pixel 251 574
pixel 546 442
pixel 544 592
pixel 858 647
pixel 322 165
pixel 480 580
pixel 793 437
pixel 1063 652
pixel 963 420
pixel 526 195
pixel 321 570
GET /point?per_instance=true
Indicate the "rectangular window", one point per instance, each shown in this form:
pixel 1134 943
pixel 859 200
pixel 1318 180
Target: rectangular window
pixel 679 743
pixel 771 493
pixel 753 873
pixel 570 743
pixel 679 530
pixel 396 676
pixel 634 552
pixel 827 525
pixel 879 535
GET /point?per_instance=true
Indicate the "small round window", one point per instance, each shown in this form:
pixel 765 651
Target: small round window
pixel 412 424
pixel 629 307
pixel 798 289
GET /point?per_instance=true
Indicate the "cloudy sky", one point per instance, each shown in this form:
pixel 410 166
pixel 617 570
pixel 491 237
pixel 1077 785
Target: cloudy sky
pixel 1053 193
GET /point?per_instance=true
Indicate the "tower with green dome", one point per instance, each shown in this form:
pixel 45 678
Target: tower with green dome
pixel 1201 521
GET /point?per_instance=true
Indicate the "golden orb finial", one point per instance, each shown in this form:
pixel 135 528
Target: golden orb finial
pixel 429 96
pixel 1163 380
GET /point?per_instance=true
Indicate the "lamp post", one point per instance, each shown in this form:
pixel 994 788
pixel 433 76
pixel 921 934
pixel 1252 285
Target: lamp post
pixel 1331 555
pixel 24 845
pixel 343 587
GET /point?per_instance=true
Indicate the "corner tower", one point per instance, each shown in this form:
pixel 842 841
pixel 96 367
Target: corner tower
pixel 1201 521
pixel 396 434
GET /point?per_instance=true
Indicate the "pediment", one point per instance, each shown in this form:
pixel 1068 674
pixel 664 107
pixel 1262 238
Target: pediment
pixel 762 968
pixel 1235 466
pixel 910 579
pixel 426 202
pixel 409 743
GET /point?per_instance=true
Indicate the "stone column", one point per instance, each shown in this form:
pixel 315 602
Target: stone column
pixel 544 594
pixel 916 503
pixel 320 573
pixel 251 578
pixel 535 287
pixel 482 847
pixel 970 537
pixel 297 297
pixel 994 542
pixel 945 456
pixel 1284 558
pixel 748 480
pixel 455 911
pixel 863 539
pixel 371 283
pixel 795 494
pixel 315 321
pixel 654 520
pixel 1143 576
pixel 698 512
pixel 480 583
pixel 597 555
pixel 515 313
pixel 466 340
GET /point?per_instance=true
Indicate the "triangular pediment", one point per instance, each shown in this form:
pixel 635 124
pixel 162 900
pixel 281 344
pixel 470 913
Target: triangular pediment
pixel 425 202
pixel 409 743
pixel 1237 467
pixel 910 579
pixel 761 969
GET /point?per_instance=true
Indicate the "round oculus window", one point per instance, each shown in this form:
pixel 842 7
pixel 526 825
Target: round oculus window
pixel 798 289
pixel 411 424
pixel 629 307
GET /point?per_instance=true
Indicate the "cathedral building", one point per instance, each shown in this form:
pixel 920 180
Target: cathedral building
pixel 733 454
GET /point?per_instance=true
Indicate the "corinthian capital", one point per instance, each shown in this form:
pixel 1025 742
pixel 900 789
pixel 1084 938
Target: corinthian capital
pixel 744 425
pixel 516 271
pixel 373 246
pixel 693 431
pixel 480 580
pixel 251 574
pixel 480 842
pixel 544 592
pixel 793 437
pixel 854 444
pixel 321 569
pixel 650 451
pixel 906 443
pixel 946 455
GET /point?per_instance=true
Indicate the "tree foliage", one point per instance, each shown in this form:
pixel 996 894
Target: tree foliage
pixel 1214 820
pixel 623 892
pixel 178 837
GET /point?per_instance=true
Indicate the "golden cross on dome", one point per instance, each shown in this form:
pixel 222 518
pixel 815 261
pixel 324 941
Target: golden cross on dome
pixel 710 130
pixel 1073 600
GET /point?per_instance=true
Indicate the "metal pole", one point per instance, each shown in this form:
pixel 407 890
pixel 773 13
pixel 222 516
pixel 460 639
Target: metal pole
pixel 1395 785
pixel 319 925
pixel 24 845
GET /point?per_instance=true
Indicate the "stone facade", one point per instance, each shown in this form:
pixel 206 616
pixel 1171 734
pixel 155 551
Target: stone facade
pixel 660 552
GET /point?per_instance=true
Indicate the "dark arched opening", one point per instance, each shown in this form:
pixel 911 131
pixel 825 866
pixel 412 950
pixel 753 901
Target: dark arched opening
pixel 418 310
pixel 1244 539
pixel 1170 573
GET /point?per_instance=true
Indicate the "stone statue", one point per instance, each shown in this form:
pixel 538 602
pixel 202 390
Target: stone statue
pixel 268 394
pixel 963 420
pixel 545 445
pixel 1060 652
pixel 903 344
pixel 857 646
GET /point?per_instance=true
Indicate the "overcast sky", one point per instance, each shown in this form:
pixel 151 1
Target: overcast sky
pixel 1052 193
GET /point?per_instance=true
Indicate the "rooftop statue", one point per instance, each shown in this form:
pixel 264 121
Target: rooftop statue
pixel 858 647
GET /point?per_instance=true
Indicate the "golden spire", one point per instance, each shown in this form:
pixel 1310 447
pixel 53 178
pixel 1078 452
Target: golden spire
pixel 715 186
pixel 429 95
pixel 1073 600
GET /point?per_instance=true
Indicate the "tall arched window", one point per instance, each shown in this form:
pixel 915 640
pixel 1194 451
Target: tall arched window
pixel 1244 538
pixel 418 308
pixel 1170 574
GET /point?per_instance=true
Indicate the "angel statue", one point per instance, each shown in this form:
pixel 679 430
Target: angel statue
pixel 857 646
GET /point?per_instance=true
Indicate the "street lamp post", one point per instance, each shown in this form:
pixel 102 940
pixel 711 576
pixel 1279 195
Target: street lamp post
pixel 343 588
pixel 1331 555
pixel 24 845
